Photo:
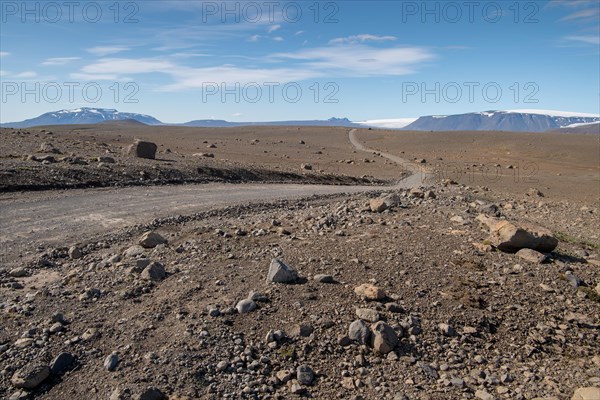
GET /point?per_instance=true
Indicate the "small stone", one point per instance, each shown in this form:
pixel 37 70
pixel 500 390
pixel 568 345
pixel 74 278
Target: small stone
pixel 245 306
pixel 359 331
pixel 111 361
pixel 322 278
pixel 30 377
pixel 367 314
pixel 150 240
pixel 483 395
pixel 283 376
pixel 532 256
pixel 154 272
pixel 150 394
pixel 301 330
pixel 281 273
pixel 383 338
pixel 296 389
pixel 75 253
pixel 573 279
pixel 18 272
pixel 370 292
pixel 222 366
pixel 394 308
pixel 378 205
pixel 305 375
pixel 446 330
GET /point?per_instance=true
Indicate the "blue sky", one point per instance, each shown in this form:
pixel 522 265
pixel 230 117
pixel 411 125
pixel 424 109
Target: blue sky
pixel 185 60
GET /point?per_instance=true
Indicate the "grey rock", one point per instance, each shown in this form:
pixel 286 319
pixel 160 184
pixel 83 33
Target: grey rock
pixel 359 331
pixel 305 375
pixel 573 279
pixel 367 314
pixel 532 256
pixel 18 272
pixel 322 278
pixel 150 240
pixel 281 273
pixel 154 272
pixel 62 363
pixel 245 306
pixel 75 252
pixel 111 361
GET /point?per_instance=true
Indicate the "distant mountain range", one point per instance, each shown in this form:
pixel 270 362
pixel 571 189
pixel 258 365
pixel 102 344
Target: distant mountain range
pixel 514 121
pixel 511 120
pixel 83 115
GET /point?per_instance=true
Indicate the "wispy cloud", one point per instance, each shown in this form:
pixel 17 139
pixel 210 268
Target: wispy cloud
pixel 278 39
pixel 101 51
pixel 361 39
pixel 274 28
pixel 25 75
pixel 587 39
pixel 254 38
pixel 312 63
pixel 59 60
pixel 4 54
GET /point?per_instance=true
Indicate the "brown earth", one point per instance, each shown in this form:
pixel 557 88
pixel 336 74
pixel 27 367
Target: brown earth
pixel 471 322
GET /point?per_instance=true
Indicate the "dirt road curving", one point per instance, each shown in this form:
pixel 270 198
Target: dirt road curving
pixel 67 216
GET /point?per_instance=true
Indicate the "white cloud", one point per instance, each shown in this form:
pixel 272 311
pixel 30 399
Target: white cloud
pixel 4 54
pixel 106 50
pixel 26 75
pixel 237 115
pixel 4 72
pixel 254 38
pixel 60 60
pixel 361 39
pixel 360 60
pixel 274 28
pixel 278 39
pixel 299 33
pixel 312 63
pixel 587 39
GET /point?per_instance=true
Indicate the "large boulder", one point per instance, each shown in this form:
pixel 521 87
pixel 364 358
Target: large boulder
pixel 512 237
pixel 142 149
pixel 150 240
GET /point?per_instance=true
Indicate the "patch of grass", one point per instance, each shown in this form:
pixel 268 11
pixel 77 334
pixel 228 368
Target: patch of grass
pixel 591 293
pixel 565 237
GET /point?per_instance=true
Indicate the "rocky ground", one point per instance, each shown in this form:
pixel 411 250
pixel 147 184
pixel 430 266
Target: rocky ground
pixel 376 296
pixel 39 159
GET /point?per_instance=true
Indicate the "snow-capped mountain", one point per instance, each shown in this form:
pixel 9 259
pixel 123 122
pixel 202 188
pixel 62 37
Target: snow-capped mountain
pixel 508 120
pixel 84 115
pixel 215 123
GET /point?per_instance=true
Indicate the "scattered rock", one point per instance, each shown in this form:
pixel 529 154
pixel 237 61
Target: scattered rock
pixel 510 237
pixel 447 330
pixel 155 271
pixel 281 273
pixel 378 205
pixel 367 314
pixel 142 149
pixel 30 377
pixel 322 278
pixel 301 330
pixel 111 361
pixel 483 395
pixel 18 272
pixel 370 292
pixel 62 363
pixel 359 332
pixel 245 306
pixel 75 253
pixel 383 338
pixel 305 375
pixel 150 240
pixel 151 394
pixel 532 256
